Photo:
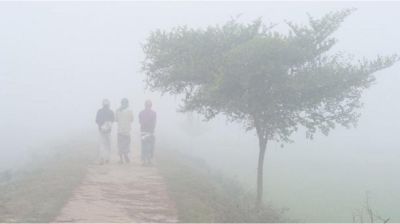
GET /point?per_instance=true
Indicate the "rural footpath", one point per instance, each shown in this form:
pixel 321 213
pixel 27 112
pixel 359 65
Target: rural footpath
pixel 120 193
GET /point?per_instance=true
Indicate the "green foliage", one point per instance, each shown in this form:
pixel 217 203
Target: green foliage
pixel 271 81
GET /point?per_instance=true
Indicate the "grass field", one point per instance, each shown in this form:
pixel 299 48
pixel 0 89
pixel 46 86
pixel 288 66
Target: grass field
pixel 202 195
pixel 37 191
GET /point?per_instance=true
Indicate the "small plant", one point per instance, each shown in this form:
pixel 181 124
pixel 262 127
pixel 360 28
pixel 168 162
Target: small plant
pixel 367 214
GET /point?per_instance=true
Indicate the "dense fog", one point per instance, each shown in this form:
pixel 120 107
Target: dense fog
pixel 59 60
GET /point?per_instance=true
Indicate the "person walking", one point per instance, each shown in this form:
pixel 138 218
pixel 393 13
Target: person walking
pixel 104 120
pixel 147 120
pixel 124 118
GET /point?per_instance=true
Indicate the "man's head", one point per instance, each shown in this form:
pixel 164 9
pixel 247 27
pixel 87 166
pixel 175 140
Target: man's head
pixel 106 103
pixel 148 104
pixel 124 102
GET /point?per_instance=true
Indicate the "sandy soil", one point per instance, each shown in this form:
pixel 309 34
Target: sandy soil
pixel 120 193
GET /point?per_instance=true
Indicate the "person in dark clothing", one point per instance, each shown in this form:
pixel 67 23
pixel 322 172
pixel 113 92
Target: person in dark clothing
pixel 104 121
pixel 147 120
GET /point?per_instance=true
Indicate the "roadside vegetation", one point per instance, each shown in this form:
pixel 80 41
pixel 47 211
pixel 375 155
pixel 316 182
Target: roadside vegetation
pixel 203 195
pixel 38 191
pixel 270 81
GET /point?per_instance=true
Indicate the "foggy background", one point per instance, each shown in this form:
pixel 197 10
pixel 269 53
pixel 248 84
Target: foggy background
pixel 59 60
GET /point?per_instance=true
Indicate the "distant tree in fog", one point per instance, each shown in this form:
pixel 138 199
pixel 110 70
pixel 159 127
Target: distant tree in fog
pixel 270 81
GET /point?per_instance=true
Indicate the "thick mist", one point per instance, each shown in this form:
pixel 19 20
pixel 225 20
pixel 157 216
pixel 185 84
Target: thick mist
pixel 59 60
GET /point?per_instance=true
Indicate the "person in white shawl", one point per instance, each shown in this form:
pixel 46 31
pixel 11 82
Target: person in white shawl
pixel 124 118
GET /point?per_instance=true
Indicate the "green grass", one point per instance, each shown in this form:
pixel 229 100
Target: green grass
pixel 38 191
pixel 202 195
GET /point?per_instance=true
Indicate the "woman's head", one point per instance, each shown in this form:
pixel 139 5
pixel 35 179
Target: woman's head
pixel 124 103
pixel 106 103
pixel 148 104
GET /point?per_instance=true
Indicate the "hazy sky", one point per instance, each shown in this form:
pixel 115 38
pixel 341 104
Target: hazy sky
pixel 58 60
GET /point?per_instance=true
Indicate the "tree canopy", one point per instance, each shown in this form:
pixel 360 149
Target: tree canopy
pixel 271 81
pixel 274 82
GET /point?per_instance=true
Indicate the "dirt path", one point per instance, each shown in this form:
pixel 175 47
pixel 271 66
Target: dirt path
pixel 120 193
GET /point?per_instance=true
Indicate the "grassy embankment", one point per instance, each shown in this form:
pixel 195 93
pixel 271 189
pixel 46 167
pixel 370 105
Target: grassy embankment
pixel 202 195
pixel 38 191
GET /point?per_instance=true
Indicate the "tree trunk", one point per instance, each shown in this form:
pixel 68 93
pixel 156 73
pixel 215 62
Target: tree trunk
pixel 260 171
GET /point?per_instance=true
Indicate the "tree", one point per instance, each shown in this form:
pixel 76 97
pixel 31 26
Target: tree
pixel 270 81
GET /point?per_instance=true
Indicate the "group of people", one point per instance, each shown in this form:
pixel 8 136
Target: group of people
pixel 124 118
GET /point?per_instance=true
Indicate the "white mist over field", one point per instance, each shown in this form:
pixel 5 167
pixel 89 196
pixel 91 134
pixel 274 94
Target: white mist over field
pixel 58 61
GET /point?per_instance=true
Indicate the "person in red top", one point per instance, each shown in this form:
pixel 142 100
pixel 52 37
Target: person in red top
pixel 147 120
